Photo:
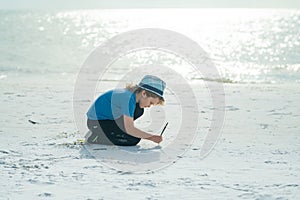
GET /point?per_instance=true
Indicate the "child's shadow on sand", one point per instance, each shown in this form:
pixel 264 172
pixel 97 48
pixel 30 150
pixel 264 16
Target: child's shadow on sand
pixel 129 154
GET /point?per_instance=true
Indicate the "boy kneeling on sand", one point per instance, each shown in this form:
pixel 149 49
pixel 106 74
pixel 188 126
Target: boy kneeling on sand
pixel 111 117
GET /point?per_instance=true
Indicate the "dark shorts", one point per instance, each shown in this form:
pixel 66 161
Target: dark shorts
pixel 112 132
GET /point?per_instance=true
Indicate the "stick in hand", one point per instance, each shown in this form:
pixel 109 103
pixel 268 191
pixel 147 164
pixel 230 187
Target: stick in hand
pixel 164 129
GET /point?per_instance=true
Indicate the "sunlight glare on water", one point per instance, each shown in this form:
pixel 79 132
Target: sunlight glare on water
pixel 247 45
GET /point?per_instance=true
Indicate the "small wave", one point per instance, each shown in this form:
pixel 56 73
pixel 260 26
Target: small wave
pixel 219 80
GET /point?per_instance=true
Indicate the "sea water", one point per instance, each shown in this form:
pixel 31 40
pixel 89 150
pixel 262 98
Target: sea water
pixel 246 45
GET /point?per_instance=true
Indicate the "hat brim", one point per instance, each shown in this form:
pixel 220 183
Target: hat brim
pixel 149 90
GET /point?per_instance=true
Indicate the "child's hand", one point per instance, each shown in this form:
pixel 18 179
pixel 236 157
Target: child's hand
pixel 155 138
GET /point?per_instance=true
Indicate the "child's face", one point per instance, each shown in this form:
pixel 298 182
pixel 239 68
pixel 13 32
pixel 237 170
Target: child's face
pixel 146 102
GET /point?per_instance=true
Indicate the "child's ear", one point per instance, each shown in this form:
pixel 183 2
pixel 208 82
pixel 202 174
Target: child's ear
pixel 144 95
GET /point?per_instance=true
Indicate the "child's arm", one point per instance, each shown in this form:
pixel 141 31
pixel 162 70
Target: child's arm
pixel 131 130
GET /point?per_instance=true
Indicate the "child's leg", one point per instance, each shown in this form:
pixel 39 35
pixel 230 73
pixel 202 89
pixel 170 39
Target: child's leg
pixel 115 132
pixel 97 136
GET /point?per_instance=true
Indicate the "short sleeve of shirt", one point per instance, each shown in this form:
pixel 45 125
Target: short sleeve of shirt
pixel 122 103
pixel 112 105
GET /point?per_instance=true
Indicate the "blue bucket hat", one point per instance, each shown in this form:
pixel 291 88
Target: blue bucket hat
pixel 153 84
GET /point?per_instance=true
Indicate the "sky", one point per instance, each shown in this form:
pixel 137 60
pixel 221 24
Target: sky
pixel 98 4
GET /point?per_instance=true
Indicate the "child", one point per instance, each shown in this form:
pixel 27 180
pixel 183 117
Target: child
pixel 111 117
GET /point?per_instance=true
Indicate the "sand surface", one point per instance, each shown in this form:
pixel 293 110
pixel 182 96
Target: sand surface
pixel 256 157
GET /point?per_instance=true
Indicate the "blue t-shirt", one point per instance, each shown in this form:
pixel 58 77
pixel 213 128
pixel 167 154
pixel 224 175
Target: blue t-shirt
pixel 112 105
